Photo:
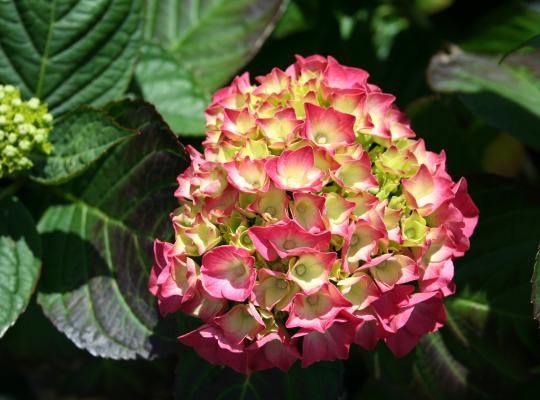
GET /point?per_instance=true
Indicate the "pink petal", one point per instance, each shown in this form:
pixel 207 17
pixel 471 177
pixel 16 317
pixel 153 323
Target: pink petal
pixel 332 344
pixel 328 128
pixel 212 345
pixel 283 239
pixel 228 272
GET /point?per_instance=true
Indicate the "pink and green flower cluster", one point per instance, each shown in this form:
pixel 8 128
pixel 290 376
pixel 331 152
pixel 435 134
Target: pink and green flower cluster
pixel 313 220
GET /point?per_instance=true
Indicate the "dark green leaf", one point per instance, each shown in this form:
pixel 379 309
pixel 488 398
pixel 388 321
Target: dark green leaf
pixel 532 42
pixel 506 95
pixel 79 139
pixel 504 28
pixel 195 47
pixel 436 368
pixel 197 379
pixel 293 21
pixel 69 52
pixel 20 264
pixel 437 122
pixel 99 243
pixel 536 287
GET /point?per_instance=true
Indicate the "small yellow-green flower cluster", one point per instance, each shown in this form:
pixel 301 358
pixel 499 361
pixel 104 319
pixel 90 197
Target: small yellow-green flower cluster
pixel 24 128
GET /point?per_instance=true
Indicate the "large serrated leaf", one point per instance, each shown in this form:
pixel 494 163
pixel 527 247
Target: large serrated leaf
pixel 197 379
pixel 69 52
pixel 79 139
pixel 194 47
pixel 99 244
pixel 20 264
pixel 507 94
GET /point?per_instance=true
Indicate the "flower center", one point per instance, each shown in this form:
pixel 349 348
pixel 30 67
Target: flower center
pixel 293 182
pixel 411 233
pixel 321 138
pixel 313 300
pixel 246 240
pixel 239 270
pixel 300 269
pixel 271 210
pixel 301 208
pixel 281 284
pixel 289 244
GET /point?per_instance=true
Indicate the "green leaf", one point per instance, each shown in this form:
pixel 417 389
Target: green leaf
pixel 99 242
pixel 195 378
pixel 506 95
pixel 531 42
pixel 440 123
pixel 535 298
pixel 195 47
pixel 504 28
pixel 20 252
pixel 79 139
pixel 173 90
pixel 436 368
pixel 69 52
pixel 293 21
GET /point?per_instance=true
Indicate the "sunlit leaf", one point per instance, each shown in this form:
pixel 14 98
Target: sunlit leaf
pixel 195 47
pixel 99 244
pixel 506 95
pixel 20 264
pixel 79 139
pixel 69 52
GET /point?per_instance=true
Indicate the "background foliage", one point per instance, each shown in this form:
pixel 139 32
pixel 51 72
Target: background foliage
pixel 467 73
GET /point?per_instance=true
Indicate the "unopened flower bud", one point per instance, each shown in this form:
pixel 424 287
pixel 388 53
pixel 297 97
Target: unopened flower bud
pixel 25 127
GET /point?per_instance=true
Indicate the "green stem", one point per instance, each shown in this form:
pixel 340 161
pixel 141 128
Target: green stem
pixel 245 387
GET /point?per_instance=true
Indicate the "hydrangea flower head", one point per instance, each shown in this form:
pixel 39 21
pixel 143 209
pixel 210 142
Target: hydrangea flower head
pixel 313 220
pixel 24 128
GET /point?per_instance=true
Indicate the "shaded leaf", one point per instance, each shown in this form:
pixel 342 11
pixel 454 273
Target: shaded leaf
pixel 504 28
pixel 535 298
pixel 99 244
pixel 20 252
pixel 79 139
pixel 532 42
pixel 436 368
pixel 69 52
pixel 195 378
pixel 195 47
pixel 506 95
pixel 438 122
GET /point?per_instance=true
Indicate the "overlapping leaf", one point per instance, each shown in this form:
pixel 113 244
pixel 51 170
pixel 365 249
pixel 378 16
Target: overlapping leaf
pixel 99 243
pixel 69 52
pixel 504 28
pixel 194 47
pixel 507 94
pixel 20 264
pixel 79 139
